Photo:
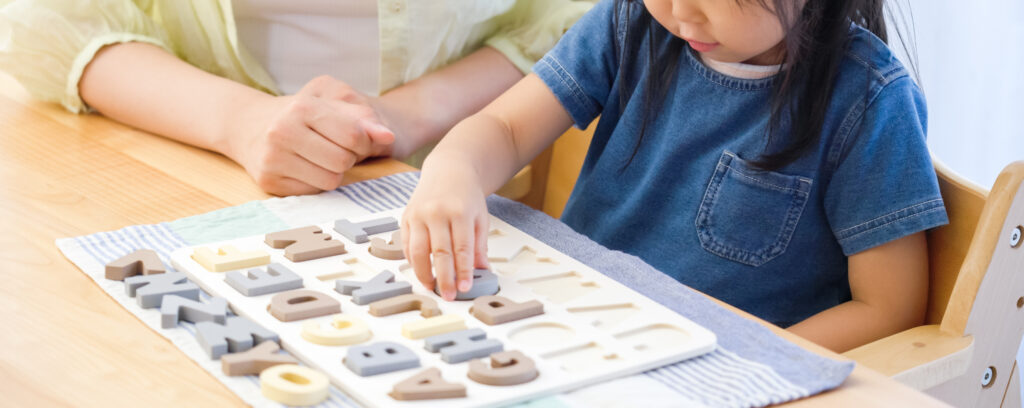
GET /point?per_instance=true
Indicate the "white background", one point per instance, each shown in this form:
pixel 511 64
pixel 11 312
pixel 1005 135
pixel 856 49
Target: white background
pixel 971 63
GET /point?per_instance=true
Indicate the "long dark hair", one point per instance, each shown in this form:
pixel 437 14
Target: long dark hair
pixel 814 48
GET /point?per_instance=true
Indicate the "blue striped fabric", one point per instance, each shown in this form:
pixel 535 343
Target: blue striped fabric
pixel 721 378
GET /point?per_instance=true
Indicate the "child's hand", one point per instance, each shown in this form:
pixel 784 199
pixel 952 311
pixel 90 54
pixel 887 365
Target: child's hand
pixel 304 143
pixel 446 219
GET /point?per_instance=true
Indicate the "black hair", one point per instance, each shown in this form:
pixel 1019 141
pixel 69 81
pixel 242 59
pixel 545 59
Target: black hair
pixel 814 46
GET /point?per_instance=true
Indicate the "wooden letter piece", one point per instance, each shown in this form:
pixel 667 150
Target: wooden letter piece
pixel 174 308
pixel 506 368
pixel 292 384
pixel 428 384
pixel 306 243
pixel 143 261
pixel 302 304
pixel 433 326
pixel 229 258
pixel 341 330
pixel 358 232
pixel 463 345
pixel 494 310
pixel 380 358
pixel 149 290
pixel 235 335
pixel 404 303
pixel 254 360
pixel 485 283
pixel 379 287
pixel 388 250
pixel 256 282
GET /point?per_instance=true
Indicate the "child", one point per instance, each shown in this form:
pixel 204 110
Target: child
pixel 768 153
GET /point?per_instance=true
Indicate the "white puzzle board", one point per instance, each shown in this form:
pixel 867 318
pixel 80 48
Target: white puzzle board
pixel 593 328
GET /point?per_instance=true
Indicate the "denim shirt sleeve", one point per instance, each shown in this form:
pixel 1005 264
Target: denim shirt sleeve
pixel 581 68
pixel 884 186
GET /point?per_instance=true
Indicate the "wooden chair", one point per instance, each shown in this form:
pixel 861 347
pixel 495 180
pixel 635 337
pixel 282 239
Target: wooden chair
pixel 965 352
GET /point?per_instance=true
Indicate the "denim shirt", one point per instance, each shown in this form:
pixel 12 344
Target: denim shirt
pixel 691 204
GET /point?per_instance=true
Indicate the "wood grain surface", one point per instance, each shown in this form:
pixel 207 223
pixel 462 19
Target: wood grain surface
pixel 65 342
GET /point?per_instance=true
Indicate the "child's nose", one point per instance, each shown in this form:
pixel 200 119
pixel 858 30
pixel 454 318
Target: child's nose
pixel 688 11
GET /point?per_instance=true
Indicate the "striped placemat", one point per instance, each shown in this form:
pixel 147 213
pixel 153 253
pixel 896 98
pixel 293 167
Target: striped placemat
pixel 751 367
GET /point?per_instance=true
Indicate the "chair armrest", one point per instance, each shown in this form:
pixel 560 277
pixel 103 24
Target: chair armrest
pixel 922 357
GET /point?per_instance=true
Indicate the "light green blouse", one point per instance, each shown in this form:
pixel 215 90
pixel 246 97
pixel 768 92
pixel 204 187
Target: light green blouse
pixel 46 44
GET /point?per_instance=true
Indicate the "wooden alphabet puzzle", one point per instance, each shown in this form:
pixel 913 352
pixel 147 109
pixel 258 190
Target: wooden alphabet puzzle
pixel 341 299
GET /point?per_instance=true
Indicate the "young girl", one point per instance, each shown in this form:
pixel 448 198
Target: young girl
pixel 768 153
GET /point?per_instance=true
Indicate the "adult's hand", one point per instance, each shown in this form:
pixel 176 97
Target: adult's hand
pixel 304 143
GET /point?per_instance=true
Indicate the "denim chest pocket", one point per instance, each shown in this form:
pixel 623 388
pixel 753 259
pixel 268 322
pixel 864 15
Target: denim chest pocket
pixel 748 215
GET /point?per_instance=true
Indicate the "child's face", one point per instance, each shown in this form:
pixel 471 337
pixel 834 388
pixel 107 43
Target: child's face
pixel 723 30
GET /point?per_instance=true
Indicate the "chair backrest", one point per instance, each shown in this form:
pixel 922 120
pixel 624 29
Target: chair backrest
pixel 947 245
pixel 985 302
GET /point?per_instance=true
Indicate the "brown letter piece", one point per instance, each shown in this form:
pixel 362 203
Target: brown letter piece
pixel 506 368
pixel 306 243
pixel 143 261
pixel 254 360
pixel 404 303
pixel 302 304
pixel 428 384
pixel 499 309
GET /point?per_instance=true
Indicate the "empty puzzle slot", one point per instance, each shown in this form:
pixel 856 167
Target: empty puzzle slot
pixel 526 260
pixel 606 316
pixel 538 334
pixel 582 358
pixel 654 337
pixel 560 287
pixel 351 268
pixel 327 277
pixel 502 247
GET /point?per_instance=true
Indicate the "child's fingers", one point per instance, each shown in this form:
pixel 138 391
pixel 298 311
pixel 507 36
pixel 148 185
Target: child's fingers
pixel 441 254
pixel 405 238
pixel 481 228
pixel 418 253
pixel 462 245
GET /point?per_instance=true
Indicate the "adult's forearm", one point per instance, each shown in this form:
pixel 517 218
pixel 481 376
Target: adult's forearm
pixel 424 110
pixel 148 88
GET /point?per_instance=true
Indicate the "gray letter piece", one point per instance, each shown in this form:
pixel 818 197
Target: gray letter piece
pixel 236 335
pixel 379 287
pixel 485 283
pixel 360 232
pixel 277 278
pixel 380 358
pixel 175 308
pixel 463 345
pixel 149 290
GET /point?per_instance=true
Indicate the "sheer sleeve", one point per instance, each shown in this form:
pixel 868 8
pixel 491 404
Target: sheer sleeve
pixel 46 44
pixel 532 27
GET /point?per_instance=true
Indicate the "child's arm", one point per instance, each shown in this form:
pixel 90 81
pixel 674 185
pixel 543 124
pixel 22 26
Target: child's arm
pixel 889 284
pixel 447 215
pixel 423 110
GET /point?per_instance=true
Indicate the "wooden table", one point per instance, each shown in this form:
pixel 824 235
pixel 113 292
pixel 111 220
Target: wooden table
pixel 66 342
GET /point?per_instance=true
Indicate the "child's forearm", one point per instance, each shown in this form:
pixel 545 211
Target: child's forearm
pixel 423 110
pixel 849 325
pixel 492 145
pixel 148 88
